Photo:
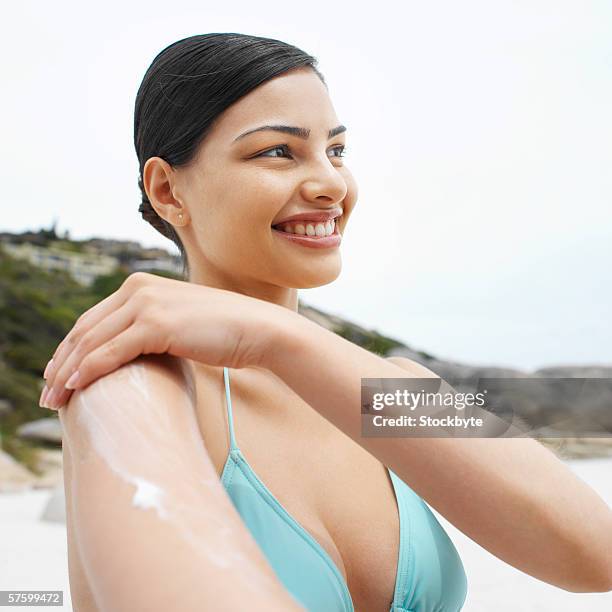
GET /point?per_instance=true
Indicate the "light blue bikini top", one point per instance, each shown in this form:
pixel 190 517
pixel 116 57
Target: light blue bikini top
pixel 430 576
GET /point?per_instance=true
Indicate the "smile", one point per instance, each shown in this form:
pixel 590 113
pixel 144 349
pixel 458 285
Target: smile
pixel 314 235
pixel 316 229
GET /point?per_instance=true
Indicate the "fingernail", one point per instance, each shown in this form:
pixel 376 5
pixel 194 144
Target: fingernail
pixel 49 399
pixel 70 383
pixel 46 372
pixel 43 395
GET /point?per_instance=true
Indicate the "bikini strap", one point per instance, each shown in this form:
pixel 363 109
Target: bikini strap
pixel 228 402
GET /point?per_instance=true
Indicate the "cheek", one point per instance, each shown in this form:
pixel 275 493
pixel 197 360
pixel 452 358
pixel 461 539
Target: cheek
pixel 257 196
pixel 267 184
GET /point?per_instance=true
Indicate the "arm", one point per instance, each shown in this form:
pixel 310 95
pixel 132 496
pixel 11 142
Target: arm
pixel 510 495
pixel 80 590
pixel 154 527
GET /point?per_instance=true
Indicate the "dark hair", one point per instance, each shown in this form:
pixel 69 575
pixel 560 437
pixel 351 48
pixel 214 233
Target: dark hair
pixel 187 86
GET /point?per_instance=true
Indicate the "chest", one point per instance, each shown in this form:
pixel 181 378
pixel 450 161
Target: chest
pixel 332 487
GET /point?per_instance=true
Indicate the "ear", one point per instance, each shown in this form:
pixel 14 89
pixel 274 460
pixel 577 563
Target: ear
pixel 157 178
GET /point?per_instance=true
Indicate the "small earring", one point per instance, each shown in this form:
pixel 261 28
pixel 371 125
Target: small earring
pixel 180 215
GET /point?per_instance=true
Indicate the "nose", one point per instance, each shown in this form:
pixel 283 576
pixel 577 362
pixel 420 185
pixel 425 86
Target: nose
pixel 324 182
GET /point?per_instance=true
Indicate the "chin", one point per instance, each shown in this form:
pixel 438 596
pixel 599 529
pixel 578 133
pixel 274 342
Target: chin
pixel 318 278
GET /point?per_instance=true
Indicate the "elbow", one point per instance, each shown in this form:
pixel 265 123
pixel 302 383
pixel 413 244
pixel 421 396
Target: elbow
pixel 584 553
pixel 601 578
pixel 594 583
pixel 600 554
pixel 594 574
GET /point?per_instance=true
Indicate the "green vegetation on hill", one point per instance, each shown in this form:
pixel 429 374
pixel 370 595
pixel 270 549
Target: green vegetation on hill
pixel 371 341
pixel 37 310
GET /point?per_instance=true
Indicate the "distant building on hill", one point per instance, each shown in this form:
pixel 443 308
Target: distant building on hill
pixel 166 264
pixel 82 266
pixel 86 259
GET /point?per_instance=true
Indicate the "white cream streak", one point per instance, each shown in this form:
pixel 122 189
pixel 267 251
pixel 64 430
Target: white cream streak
pixel 116 449
pixel 148 496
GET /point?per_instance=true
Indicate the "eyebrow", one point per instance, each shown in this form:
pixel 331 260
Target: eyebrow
pixel 294 131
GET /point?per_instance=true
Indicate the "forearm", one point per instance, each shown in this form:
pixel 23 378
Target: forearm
pixel 155 529
pixel 512 496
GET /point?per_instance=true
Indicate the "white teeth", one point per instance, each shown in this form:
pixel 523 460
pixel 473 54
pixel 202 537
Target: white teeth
pixel 319 230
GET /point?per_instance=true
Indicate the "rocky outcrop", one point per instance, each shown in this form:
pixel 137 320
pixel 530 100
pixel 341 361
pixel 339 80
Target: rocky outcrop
pixel 42 430
pixel 576 371
pixel 48 462
pixel 547 404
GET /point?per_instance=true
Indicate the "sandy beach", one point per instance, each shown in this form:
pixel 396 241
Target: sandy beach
pixel 33 556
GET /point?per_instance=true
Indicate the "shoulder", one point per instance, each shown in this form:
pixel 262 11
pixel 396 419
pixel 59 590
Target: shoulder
pixel 419 370
pixel 146 377
pixel 147 389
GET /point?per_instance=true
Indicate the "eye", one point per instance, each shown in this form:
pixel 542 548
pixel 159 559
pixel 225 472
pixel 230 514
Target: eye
pixel 341 149
pixel 284 148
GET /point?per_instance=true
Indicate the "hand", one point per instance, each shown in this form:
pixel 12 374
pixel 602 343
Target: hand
pixel 153 314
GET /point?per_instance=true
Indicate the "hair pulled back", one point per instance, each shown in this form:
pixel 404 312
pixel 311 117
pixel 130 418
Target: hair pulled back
pixel 187 86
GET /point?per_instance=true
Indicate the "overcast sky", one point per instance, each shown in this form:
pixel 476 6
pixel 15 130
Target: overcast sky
pixel 480 135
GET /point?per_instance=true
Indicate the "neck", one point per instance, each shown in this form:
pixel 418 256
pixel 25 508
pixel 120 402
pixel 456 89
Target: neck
pixel 283 296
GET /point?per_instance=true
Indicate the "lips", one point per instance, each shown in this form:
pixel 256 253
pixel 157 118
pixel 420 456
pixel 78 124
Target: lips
pixel 310 217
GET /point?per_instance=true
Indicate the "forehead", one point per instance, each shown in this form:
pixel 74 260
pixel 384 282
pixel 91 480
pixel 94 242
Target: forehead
pixel 297 97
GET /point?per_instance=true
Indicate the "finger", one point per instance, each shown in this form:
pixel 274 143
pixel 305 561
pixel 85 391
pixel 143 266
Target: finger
pixel 119 350
pixel 105 330
pixel 82 325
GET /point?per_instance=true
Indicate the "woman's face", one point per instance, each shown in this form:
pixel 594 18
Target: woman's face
pixel 239 186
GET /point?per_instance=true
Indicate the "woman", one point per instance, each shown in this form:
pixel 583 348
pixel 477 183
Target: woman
pixel 189 396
